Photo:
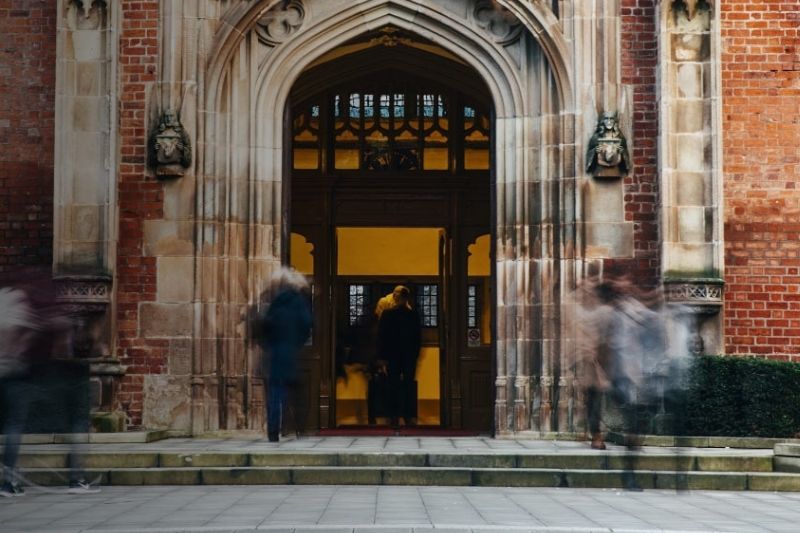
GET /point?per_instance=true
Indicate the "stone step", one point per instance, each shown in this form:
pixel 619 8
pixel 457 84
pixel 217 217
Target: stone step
pixel 563 461
pixel 486 477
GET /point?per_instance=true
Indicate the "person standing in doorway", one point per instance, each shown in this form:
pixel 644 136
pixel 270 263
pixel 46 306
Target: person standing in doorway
pixel 284 329
pixel 399 339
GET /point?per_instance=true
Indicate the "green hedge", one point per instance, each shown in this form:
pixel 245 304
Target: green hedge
pixel 743 397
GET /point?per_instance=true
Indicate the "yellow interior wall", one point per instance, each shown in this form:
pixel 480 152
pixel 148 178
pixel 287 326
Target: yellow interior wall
pixel 479 263
pixel 354 387
pixel 302 255
pixel 388 251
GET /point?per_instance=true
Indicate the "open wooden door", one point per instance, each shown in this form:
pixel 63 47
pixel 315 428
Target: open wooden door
pixel 476 305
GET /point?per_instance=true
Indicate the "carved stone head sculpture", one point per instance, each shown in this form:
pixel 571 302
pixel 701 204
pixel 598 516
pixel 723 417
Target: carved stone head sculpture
pixel 170 147
pixel 607 154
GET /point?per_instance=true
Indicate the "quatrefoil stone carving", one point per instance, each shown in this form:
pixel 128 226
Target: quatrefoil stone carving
pixel 280 22
pixel 498 21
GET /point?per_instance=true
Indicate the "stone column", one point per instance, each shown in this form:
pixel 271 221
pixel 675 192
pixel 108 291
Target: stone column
pixel 690 162
pixel 85 182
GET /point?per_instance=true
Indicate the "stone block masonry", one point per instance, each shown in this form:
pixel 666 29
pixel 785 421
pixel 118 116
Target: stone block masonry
pixel 761 114
pixel 27 92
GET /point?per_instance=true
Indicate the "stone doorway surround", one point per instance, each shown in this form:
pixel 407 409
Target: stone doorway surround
pixel 226 69
pixel 256 59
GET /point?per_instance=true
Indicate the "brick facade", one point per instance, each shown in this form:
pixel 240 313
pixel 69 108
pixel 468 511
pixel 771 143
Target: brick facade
pixel 761 122
pixel 140 199
pixel 639 39
pixel 27 93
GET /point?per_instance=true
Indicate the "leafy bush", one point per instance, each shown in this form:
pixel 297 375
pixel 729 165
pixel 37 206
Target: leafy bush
pixel 742 397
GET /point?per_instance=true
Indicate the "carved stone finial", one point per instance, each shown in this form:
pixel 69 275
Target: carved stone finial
pixel 170 147
pixel 495 19
pixel 280 22
pixel 607 154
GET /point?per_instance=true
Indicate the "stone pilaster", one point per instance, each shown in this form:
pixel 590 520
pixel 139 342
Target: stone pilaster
pixel 690 158
pixel 85 184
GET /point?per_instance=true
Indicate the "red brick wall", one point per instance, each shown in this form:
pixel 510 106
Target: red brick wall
pixel 639 41
pixel 27 103
pixel 140 199
pixel 761 114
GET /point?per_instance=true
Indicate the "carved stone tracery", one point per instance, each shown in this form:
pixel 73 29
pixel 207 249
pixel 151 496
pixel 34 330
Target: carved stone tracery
pixel 86 299
pixel 498 21
pixel 699 297
pixel 280 22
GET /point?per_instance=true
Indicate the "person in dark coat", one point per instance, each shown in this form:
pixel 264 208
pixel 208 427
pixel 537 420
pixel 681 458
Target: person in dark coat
pixel 399 339
pixel 285 328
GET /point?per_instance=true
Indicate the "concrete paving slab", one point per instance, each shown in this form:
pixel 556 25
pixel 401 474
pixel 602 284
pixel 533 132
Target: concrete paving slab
pixel 407 509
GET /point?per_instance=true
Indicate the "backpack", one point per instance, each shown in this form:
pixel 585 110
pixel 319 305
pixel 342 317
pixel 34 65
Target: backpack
pixel 17 326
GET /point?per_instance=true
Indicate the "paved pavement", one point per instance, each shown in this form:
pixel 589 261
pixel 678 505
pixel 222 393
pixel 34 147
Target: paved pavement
pixel 323 509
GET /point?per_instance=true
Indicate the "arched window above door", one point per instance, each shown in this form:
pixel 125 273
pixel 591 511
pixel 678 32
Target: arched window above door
pixel 397 124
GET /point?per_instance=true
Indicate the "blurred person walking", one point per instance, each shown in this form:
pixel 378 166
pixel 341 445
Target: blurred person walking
pixel 18 327
pixel 35 350
pixel 593 321
pixel 282 331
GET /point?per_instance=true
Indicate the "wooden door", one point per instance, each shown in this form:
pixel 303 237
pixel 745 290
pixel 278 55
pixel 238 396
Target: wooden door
pixel 474 335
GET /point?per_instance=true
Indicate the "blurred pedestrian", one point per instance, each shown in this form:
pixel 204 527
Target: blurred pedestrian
pixel 399 341
pixel 593 321
pixel 284 328
pixel 18 326
pixel 35 364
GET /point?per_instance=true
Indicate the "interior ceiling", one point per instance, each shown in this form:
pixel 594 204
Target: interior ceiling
pixel 388 37
pixel 386 53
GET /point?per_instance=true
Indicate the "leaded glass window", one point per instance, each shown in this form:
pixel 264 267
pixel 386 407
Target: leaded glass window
pixel 306 138
pixel 358 305
pixel 472 306
pixel 428 305
pixel 392 126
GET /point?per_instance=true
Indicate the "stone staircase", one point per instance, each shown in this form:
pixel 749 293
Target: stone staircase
pixel 654 467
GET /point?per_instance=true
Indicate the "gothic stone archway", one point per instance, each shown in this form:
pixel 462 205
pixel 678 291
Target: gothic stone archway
pixel 259 52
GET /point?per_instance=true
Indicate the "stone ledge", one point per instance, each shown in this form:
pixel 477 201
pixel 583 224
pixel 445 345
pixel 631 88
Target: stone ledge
pixel 131 437
pixel 751 443
pixel 594 461
pixel 488 477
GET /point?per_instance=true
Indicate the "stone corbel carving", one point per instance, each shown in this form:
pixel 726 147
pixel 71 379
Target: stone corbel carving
pixel 697 299
pixel 607 155
pixel 690 6
pixel 280 22
pixel 170 149
pixel 85 14
pixel 86 299
pixel 87 5
pixel 498 21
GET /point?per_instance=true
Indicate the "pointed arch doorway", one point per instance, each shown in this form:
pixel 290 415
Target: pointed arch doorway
pixel 389 140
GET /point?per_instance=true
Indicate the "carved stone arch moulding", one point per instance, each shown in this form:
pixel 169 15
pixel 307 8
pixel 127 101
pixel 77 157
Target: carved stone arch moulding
pixel 280 22
pixel 504 27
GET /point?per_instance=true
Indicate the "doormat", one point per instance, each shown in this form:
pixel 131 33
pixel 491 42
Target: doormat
pixel 385 431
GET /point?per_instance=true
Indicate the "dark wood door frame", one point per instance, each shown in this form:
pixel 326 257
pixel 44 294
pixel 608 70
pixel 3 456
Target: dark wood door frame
pixel 461 207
